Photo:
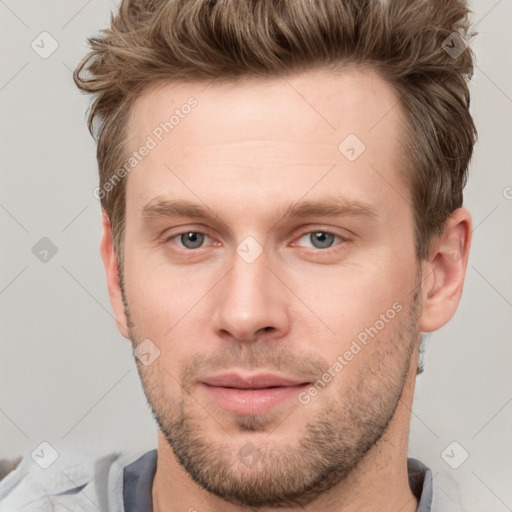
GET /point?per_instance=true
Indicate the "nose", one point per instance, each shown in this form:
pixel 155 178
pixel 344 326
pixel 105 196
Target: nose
pixel 251 302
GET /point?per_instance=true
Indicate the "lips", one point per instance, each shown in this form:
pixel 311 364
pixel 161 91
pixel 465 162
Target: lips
pixel 258 381
pixel 251 394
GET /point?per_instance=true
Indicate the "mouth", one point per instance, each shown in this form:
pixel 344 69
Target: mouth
pixel 251 394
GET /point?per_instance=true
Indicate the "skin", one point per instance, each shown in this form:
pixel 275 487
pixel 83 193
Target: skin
pixel 246 152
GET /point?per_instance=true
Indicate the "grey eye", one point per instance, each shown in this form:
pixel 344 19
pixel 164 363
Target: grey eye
pixel 321 239
pixel 192 239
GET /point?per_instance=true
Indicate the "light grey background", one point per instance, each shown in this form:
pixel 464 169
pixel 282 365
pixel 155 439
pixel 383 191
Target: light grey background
pixel 66 374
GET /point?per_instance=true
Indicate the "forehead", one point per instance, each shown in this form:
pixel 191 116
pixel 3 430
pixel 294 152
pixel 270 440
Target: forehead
pixel 262 135
pixel 329 101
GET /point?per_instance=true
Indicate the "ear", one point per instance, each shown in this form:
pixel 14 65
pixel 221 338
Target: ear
pixel 113 279
pixel 445 270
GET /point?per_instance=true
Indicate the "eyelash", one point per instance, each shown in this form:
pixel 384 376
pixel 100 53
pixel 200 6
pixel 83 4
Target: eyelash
pixel 308 232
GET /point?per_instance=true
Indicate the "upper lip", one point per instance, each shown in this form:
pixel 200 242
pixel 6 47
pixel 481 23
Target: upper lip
pixel 251 381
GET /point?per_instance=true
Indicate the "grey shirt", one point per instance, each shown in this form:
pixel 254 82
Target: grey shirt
pixel 122 482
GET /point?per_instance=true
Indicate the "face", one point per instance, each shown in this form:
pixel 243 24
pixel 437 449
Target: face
pixel 270 265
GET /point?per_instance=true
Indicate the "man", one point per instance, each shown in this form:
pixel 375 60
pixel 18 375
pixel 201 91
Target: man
pixel 281 185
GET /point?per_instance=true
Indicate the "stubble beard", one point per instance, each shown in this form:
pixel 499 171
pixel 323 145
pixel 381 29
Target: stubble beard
pixel 266 473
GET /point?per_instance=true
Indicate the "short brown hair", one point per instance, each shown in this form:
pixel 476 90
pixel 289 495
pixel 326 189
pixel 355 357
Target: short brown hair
pixel 406 41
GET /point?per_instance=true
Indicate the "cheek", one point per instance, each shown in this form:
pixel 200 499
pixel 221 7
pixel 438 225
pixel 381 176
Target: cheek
pixel 351 299
pixel 160 295
pixel 368 314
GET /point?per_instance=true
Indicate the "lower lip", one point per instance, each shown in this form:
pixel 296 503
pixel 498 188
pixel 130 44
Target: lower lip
pixel 252 401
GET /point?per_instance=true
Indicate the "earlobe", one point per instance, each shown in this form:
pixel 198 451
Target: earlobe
pixel 113 279
pixel 445 270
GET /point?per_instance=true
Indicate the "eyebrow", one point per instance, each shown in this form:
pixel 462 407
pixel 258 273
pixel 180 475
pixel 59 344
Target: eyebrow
pixel 328 207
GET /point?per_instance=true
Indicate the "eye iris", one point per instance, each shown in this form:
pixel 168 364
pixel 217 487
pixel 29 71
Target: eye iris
pixel 323 239
pixel 192 240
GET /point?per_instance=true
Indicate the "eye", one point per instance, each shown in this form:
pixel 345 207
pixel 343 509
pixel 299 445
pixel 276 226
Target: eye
pixel 321 239
pixel 190 239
